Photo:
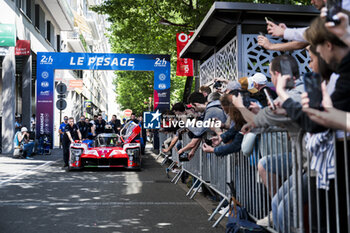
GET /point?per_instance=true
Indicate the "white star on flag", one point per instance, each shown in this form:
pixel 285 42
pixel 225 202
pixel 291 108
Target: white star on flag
pixel 156 115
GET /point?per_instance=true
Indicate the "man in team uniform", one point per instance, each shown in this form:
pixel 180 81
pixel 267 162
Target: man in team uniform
pixel 133 118
pixel 61 129
pixel 115 123
pixel 71 133
pixel 100 125
pixel 83 127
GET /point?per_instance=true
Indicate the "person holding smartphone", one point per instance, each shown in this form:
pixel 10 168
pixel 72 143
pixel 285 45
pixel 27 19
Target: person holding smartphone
pixel 266 116
pixel 22 139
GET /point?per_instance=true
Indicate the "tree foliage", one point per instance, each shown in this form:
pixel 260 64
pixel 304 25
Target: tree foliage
pixel 138 26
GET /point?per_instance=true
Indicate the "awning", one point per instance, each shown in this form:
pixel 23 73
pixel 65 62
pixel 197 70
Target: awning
pixel 219 25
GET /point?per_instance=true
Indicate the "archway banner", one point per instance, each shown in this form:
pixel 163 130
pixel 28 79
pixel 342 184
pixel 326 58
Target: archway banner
pixel 48 62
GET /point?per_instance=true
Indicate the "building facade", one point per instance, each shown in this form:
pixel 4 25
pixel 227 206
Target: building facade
pixel 49 26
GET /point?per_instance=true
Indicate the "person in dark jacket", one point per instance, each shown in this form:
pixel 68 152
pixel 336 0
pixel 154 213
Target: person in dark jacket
pixel 115 123
pixel 71 133
pixel 232 138
pixel 100 125
pixel 210 110
pixel 337 55
pixel 83 127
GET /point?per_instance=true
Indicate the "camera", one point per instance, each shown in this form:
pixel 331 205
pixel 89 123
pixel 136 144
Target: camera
pixel 208 142
pixel 183 157
pixel 217 84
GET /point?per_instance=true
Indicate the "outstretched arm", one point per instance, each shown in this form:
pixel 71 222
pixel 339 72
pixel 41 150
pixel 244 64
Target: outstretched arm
pixel 288 46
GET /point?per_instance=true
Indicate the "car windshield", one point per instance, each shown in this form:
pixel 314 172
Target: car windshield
pixel 107 141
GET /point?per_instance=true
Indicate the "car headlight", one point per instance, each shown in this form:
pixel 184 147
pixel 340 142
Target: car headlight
pixel 75 154
pixel 133 153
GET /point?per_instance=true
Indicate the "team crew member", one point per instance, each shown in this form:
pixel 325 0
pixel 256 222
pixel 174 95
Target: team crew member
pixel 133 118
pixel 71 133
pixel 115 123
pixel 100 125
pixel 83 127
pixel 61 129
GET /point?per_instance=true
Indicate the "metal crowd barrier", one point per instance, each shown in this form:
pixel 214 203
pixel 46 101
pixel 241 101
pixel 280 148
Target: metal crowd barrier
pixel 291 197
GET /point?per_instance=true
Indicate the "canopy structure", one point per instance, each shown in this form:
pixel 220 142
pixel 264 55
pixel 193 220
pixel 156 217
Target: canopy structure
pixel 226 20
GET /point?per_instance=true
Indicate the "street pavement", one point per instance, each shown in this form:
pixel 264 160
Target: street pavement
pixel 39 196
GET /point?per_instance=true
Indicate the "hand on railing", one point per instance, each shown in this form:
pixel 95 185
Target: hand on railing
pixel 191 154
pixel 207 148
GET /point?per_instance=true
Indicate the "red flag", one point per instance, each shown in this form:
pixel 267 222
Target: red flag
pixel 184 65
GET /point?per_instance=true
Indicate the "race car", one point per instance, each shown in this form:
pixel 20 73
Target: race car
pixel 108 150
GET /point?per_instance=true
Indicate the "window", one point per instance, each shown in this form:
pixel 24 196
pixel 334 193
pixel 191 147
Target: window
pixel 29 8
pixel 40 20
pixel 58 41
pixel 36 24
pixel 48 31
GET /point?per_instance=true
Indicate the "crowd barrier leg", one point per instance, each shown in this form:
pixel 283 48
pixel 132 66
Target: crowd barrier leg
pixel 160 154
pixel 347 182
pixel 220 218
pixel 172 165
pixel 164 160
pixel 195 191
pixel 177 177
pixel 216 209
pixel 194 184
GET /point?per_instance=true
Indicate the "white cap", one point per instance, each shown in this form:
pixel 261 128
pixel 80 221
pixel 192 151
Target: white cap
pixel 257 78
pixel 24 129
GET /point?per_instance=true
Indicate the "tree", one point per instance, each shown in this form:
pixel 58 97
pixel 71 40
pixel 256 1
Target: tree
pixel 149 27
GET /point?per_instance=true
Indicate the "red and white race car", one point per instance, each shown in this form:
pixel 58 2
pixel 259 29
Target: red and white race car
pixel 108 150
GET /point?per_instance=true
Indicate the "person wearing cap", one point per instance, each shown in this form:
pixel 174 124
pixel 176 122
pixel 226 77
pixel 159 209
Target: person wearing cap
pixel 232 85
pixel 256 85
pixel 22 139
pixel 252 103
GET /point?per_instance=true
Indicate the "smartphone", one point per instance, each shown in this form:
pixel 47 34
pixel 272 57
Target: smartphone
pixel 312 82
pixel 269 99
pixel 286 69
pixel 333 7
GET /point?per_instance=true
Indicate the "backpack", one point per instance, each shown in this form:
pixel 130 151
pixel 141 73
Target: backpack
pixel 238 219
pixel 240 223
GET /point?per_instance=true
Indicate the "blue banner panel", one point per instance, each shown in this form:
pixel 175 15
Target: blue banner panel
pixel 47 63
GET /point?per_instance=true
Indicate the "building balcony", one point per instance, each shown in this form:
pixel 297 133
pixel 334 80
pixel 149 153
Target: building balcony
pixel 91 20
pixel 77 41
pixel 62 13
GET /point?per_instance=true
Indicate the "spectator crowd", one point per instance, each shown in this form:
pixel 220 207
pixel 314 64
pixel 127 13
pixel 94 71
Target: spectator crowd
pixel 315 103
